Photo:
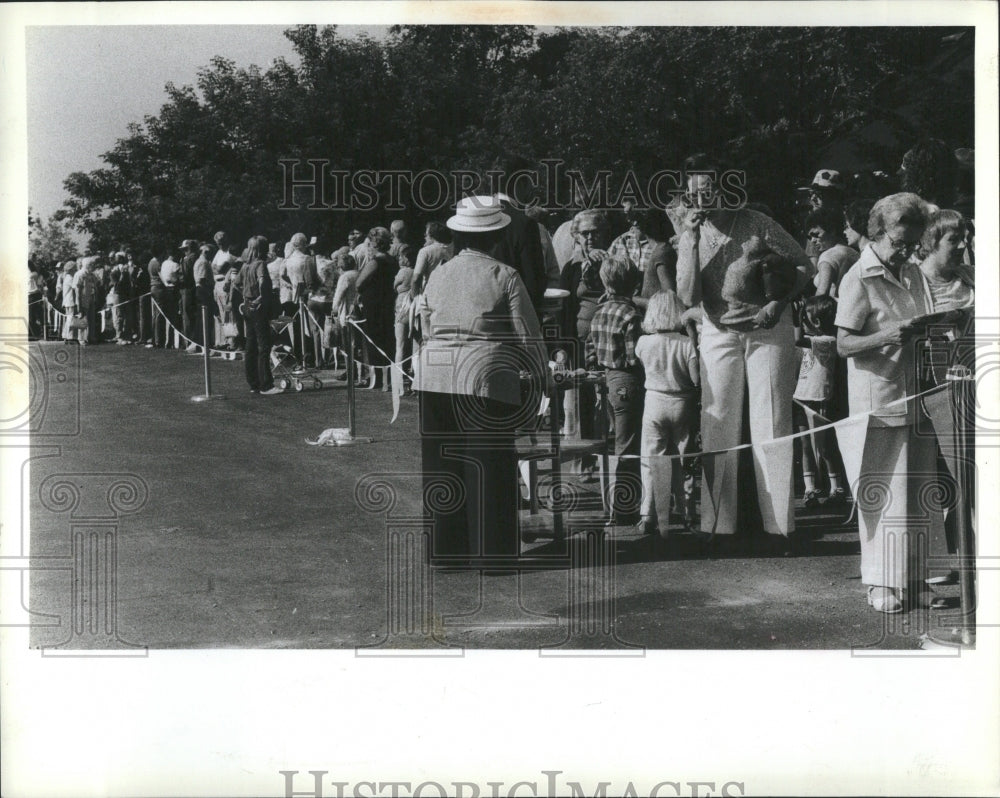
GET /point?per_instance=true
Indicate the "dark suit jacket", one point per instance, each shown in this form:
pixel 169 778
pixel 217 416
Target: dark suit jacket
pixel 521 248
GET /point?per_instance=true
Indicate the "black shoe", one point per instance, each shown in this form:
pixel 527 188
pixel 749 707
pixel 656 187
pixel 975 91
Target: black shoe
pixel 716 546
pixel 792 545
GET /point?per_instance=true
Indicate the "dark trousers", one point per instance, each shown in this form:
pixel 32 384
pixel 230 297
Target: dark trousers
pixel 257 357
pixel 205 324
pixel 241 328
pixel 36 314
pixel 93 323
pixel 166 298
pixel 140 318
pixel 190 315
pixel 470 479
pixel 625 403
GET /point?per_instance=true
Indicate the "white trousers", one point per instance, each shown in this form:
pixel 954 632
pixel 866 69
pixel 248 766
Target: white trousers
pixel 763 362
pixel 669 425
pixel 898 508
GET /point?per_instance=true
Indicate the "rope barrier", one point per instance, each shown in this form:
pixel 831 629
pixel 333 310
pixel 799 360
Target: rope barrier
pixel 319 327
pixel 854 419
pixel 844 422
pixel 392 362
pixel 178 335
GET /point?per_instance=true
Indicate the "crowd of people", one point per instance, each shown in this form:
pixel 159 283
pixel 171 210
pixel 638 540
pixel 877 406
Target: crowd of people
pixel 710 327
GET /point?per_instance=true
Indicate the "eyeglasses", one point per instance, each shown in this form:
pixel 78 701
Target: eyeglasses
pixel 902 246
pixel 817 234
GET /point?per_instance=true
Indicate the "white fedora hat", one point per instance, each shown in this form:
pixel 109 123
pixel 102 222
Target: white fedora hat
pixel 478 215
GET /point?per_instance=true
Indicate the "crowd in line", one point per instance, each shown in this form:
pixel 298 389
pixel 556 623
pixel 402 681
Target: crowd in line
pixel 710 326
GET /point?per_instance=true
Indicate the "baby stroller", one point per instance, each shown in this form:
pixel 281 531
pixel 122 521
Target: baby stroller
pixel 287 370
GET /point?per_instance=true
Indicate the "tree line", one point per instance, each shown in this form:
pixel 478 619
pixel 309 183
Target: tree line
pixel 628 100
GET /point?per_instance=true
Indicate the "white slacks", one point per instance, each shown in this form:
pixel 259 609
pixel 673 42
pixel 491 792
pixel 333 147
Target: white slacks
pixel 669 425
pixel 764 362
pixel 899 509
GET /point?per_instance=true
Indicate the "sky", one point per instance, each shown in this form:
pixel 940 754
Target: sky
pixel 86 83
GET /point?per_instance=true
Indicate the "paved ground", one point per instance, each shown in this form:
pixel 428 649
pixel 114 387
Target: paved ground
pixel 238 534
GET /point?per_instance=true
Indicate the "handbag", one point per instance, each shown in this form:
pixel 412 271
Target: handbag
pixel 78 323
pixel 230 330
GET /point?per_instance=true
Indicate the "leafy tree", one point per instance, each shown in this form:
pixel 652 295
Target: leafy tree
pixel 630 100
pixel 49 242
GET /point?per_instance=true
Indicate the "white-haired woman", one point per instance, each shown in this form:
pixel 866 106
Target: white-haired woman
pixel 670 414
pixel 887 463
pixel 87 288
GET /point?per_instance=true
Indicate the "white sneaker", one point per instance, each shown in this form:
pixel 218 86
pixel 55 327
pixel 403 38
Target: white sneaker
pixel 272 391
pixel 192 349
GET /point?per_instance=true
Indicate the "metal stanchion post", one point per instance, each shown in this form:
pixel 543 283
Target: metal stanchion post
pixel 303 326
pixel 208 395
pixel 962 634
pixel 351 424
pixel 351 415
pixel 555 425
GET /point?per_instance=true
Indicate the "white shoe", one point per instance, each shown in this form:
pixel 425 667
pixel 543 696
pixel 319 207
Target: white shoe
pixel 272 391
pixel 192 349
pixel 884 599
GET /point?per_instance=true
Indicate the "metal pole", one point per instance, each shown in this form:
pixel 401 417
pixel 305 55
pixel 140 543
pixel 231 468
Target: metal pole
pixel 317 342
pixel 961 382
pixel 555 425
pixel 964 633
pixel 349 329
pixel 204 349
pixel 303 321
pixel 208 374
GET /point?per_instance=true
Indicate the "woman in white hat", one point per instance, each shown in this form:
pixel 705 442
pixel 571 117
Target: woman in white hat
pixel 480 331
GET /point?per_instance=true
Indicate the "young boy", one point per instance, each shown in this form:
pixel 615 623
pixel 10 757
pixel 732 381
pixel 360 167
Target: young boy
pixel 614 331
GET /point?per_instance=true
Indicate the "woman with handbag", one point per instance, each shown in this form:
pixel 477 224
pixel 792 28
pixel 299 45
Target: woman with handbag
pixel 87 289
pixel 254 285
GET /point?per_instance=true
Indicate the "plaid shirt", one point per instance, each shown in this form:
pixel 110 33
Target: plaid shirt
pixel 628 247
pixel 614 331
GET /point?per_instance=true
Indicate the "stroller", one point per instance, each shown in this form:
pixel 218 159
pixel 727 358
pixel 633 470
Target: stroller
pixel 287 370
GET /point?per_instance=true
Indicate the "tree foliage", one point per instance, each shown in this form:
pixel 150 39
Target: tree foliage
pixel 474 97
pixel 49 241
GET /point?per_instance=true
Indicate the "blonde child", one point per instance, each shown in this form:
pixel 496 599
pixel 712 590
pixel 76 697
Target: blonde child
pixel 670 415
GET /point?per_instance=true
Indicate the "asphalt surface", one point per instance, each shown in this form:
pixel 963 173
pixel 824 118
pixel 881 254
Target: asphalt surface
pixel 232 532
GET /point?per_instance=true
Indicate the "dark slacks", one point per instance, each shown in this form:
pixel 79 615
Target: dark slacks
pixel 166 298
pixel 470 479
pixel 625 400
pixel 141 311
pixel 190 315
pixel 36 314
pixel 257 357
pixel 92 314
